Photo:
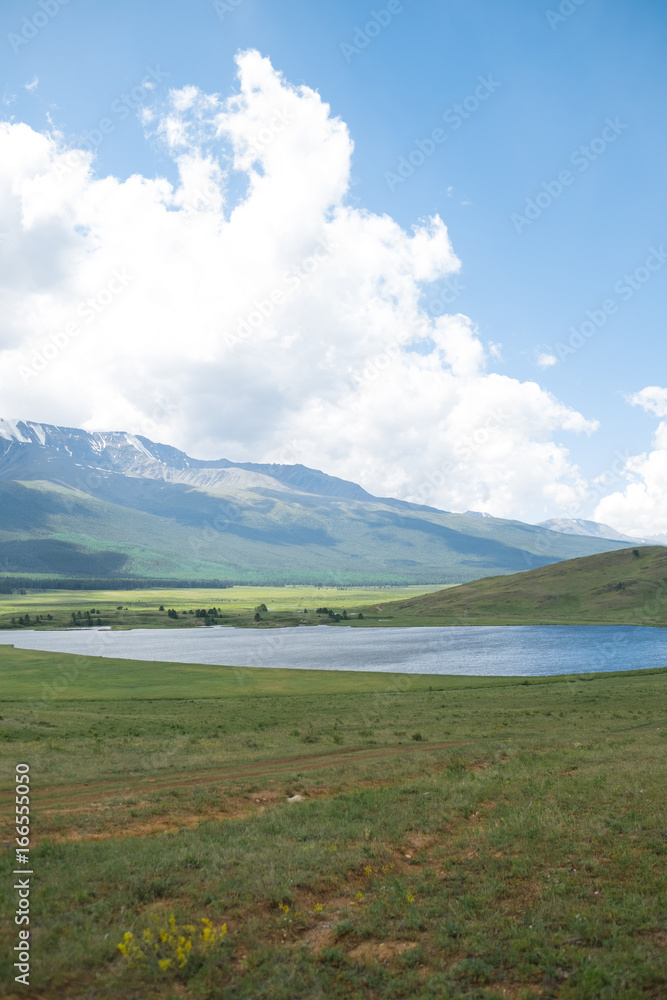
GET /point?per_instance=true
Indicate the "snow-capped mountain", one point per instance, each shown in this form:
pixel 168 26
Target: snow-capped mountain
pixel 79 503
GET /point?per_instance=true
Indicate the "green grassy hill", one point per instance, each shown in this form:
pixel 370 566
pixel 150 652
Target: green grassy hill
pixel 628 586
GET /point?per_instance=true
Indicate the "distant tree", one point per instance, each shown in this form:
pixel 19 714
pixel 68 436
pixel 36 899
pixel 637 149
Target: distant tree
pixel 636 553
pixel 344 614
pixel 258 617
pixel 161 608
pixel 360 615
pixel 261 607
pixel 172 613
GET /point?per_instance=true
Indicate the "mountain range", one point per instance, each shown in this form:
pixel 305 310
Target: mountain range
pixel 579 526
pixel 113 506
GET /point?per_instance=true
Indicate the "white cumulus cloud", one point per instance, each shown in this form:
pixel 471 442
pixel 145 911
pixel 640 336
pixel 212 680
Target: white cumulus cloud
pixel 641 508
pixel 546 360
pixel 249 310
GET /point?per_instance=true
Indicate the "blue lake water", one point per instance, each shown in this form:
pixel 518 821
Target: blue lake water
pixel 530 650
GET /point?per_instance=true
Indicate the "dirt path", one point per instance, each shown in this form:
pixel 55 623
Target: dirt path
pixel 66 796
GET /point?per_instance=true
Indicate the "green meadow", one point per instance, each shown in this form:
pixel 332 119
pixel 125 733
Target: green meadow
pixel 625 586
pixel 233 605
pixel 453 837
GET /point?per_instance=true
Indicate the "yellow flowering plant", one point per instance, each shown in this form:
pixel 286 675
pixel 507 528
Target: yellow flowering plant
pixel 171 946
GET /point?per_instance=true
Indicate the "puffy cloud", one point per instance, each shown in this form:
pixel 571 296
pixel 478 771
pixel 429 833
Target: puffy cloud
pixel 546 360
pixel 640 508
pixel 653 399
pixel 248 310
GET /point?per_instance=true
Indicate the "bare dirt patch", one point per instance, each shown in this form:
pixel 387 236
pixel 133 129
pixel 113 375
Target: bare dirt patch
pixel 380 951
pixel 417 841
pixel 319 937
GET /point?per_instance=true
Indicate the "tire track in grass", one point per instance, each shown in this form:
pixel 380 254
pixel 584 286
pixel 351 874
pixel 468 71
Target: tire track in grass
pixel 62 796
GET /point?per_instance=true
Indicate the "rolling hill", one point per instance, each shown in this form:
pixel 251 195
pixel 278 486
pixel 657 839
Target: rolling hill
pixel 622 587
pixel 114 506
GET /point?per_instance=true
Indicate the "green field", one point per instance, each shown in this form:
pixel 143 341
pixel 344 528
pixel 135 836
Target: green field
pixel 458 837
pixel 140 608
pixel 627 586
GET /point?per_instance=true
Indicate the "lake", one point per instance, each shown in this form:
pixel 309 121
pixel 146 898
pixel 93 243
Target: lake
pixel 511 650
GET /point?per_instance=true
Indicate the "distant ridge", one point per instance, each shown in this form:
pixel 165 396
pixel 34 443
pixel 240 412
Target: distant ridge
pixel 593 529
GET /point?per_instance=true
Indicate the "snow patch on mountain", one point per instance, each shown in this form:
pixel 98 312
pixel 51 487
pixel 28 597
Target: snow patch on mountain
pixel 9 430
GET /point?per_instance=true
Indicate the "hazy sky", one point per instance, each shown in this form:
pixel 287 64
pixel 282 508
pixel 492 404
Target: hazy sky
pixel 418 244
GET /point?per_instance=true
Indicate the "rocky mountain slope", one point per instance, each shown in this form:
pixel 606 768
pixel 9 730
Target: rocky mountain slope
pixel 116 505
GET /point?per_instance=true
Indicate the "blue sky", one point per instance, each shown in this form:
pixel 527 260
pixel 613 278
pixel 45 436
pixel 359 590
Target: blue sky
pixel 554 83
